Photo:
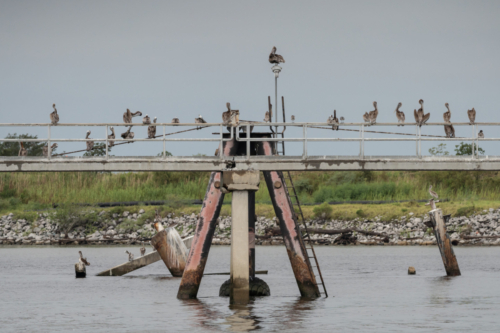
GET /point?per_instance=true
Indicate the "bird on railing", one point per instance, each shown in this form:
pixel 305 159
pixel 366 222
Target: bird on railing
pixel 449 130
pixel 128 134
pixel 226 115
pixel 146 120
pixel 83 260
pixel 447 114
pixel 333 120
pixel 90 144
pixel 432 193
pixel 342 120
pixel 267 117
pixel 175 121
pixel 22 150
pixel 111 137
pixel 127 116
pixel 199 120
pixel 373 114
pixel 143 250
pixel 216 152
pixel 54 117
pixel 152 130
pixel 293 118
pixel 472 115
pixel 45 149
pixel 400 114
pixel 420 117
pixel 366 117
pixel 480 134
pixel 130 256
pixel 275 58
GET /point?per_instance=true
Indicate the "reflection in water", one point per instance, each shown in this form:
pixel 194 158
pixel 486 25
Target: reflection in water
pixel 242 319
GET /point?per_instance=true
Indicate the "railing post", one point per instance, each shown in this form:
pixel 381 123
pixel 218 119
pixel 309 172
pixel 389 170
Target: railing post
pixel 416 137
pixel 473 143
pixel 49 150
pixel 248 141
pixel 304 130
pixel 221 154
pixel 362 142
pixel 164 155
pixel 106 136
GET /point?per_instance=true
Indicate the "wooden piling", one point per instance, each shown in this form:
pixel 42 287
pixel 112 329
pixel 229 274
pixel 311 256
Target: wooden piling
pixel 444 243
pixel 172 250
pixel 80 270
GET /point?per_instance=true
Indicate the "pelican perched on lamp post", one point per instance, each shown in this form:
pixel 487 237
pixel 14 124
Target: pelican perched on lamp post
pixel 54 117
pixel 400 114
pixel 275 58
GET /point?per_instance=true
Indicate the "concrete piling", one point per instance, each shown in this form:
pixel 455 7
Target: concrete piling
pixel 444 243
pixel 239 288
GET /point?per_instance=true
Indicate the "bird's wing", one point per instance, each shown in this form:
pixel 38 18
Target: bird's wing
pixel 426 117
pixel 415 113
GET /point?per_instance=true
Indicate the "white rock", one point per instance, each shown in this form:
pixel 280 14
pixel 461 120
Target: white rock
pixel 142 211
pixel 125 214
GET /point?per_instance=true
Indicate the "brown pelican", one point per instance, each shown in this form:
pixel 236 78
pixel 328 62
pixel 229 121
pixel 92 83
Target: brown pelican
pixel 130 256
pixel 267 117
pixel 146 120
pixel 111 137
pixel 152 130
pixel 480 134
pixel 83 260
pixel 373 114
pixel 128 134
pixel 275 58
pixel 90 144
pixel 45 149
pixel 420 117
pixel 447 114
pixel 400 114
pixel 127 116
pixel 175 121
pixel 332 120
pixel 157 221
pixel 472 115
pixel 226 116
pixel 54 117
pixel 216 152
pixel 199 120
pixel 449 130
pixel 432 193
pixel 342 120
pixel 366 117
pixel 142 249
pixel 293 118
pixel 22 150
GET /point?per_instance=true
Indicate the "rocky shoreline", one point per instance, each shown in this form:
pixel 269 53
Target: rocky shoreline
pixel 480 229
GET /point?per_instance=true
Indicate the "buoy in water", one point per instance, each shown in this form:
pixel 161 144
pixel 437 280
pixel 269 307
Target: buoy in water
pixel 411 270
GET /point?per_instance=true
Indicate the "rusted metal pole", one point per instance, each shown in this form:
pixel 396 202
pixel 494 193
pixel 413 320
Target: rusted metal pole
pixel 204 232
pixel 444 243
pixel 292 237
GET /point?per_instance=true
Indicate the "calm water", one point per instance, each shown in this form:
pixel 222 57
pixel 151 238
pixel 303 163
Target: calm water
pixel 369 288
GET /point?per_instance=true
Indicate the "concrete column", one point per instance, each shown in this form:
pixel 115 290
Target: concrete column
pixel 444 243
pixel 239 291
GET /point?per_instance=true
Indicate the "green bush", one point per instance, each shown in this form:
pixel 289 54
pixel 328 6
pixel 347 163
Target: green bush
pixel 465 211
pixel 360 213
pixel 323 211
pixel 304 185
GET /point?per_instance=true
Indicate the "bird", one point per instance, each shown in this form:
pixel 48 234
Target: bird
pixel 400 114
pixel 175 121
pixel 432 193
pixel 420 117
pixel 90 144
pixel 216 152
pixel 332 120
pixel 293 118
pixel 480 134
pixel 54 117
pixel 449 130
pixel 342 120
pixel 143 250
pixel 128 134
pixel 447 114
pixel 226 115
pixel 152 130
pixel 130 256
pixel 199 120
pixel 146 120
pixel 472 115
pixel 366 117
pixel 83 260
pixel 373 114
pixel 111 137
pixel 267 117
pixel 127 116
pixel 22 150
pixel 45 149
pixel 275 58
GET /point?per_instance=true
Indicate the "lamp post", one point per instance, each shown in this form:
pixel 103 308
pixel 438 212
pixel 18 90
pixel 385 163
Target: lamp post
pixel 276 70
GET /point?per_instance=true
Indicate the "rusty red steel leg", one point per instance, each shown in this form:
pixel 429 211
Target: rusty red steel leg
pixel 292 238
pixel 251 233
pixel 204 233
pixel 444 243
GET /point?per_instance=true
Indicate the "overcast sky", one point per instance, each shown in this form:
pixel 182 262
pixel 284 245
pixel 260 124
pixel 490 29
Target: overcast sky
pixel 179 59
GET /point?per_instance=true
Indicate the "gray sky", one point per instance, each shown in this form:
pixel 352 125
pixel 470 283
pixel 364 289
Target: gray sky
pixel 179 59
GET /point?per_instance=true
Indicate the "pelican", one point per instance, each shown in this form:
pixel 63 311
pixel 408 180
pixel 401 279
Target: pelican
pixel 146 120
pixel 420 117
pixel 449 130
pixel 128 134
pixel 127 116
pixel 480 134
pixel 199 120
pixel 54 117
pixel 111 137
pixel 175 121
pixel 472 115
pixel 267 117
pixel 373 114
pixel 90 144
pixel 366 117
pixel 83 260
pixel 216 152
pixel 142 249
pixel 332 120
pixel 293 118
pixel 22 150
pixel 342 120
pixel 432 193
pixel 226 115
pixel 130 256
pixel 45 149
pixel 152 130
pixel 275 58
pixel 400 114
pixel 447 114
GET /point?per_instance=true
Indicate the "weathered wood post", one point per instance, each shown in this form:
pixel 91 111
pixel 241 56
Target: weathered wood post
pixel 80 270
pixel 444 243
pixel 169 245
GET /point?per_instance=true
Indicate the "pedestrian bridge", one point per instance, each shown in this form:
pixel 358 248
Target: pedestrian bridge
pixel 245 158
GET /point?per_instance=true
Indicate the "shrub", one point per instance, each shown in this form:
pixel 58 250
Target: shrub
pixel 360 213
pixel 323 211
pixel 465 211
pixel 304 185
